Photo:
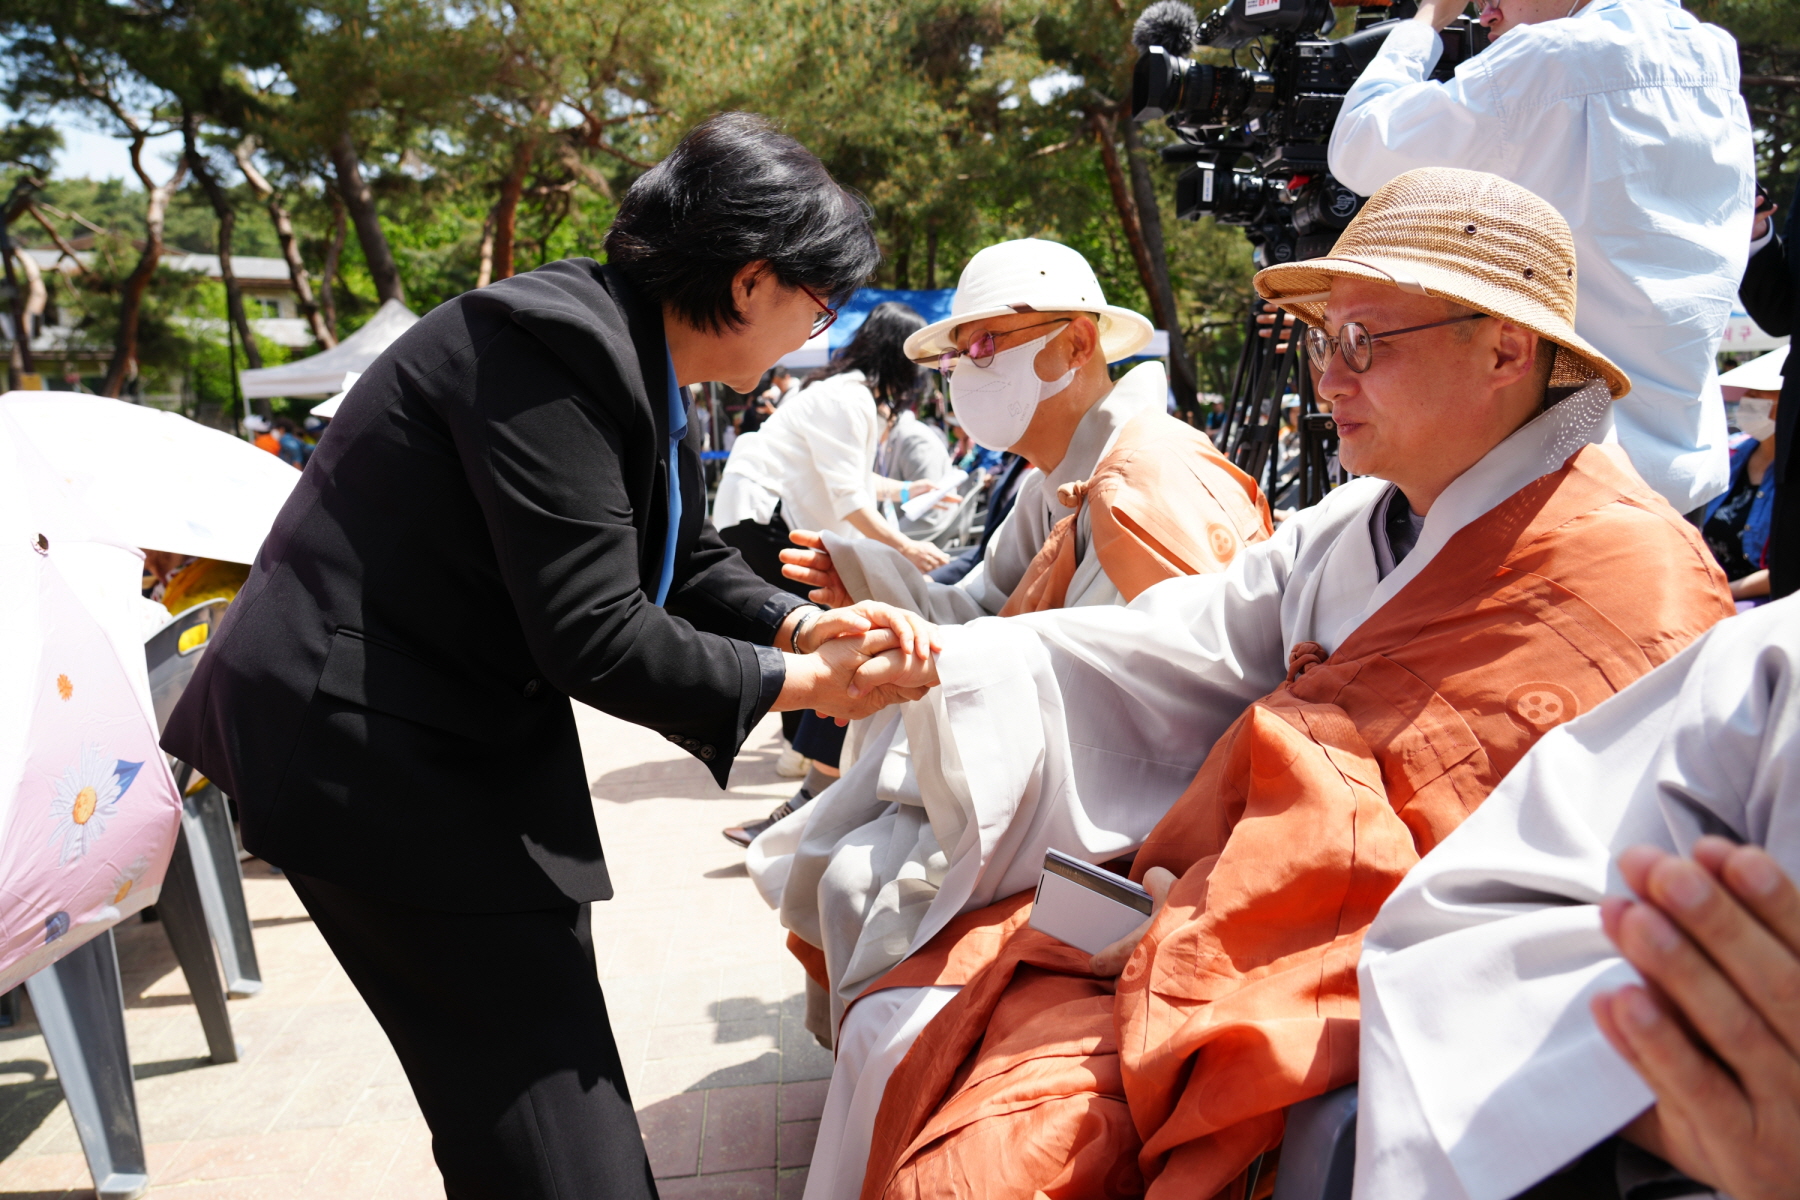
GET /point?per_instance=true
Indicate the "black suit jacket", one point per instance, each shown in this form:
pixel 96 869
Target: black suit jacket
pixel 478 538
pixel 1771 295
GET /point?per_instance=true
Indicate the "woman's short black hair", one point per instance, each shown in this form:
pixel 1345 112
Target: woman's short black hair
pixel 736 191
pixel 878 352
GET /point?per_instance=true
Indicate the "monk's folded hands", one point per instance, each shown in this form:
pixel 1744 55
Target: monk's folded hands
pixel 1717 1034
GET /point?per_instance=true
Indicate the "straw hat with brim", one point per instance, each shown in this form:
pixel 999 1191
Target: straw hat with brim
pixel 1031 275
pixel 1467 237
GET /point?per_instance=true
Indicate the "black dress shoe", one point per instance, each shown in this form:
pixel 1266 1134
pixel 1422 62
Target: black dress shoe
pixel 743 835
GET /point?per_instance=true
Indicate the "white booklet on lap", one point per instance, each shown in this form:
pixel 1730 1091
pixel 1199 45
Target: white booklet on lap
pixel 1086 906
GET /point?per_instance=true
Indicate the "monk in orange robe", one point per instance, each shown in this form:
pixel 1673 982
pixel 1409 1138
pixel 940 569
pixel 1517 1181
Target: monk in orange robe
pixel 1160 502
pixel 1523 576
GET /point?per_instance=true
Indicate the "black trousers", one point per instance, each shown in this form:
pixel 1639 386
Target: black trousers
pixel 500 1024
pixel 761 546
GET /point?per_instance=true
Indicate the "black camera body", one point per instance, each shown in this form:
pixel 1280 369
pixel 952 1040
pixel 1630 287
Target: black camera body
pixel 1257 136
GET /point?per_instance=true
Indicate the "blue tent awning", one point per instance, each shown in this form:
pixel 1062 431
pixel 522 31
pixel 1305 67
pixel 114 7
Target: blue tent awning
pixel 932 305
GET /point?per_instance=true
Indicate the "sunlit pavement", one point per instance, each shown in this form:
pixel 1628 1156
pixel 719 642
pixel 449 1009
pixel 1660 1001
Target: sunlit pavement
pixel 705 1002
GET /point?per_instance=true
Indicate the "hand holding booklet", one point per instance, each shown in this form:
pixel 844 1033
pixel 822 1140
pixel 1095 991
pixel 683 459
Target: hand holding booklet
pixel 1086 906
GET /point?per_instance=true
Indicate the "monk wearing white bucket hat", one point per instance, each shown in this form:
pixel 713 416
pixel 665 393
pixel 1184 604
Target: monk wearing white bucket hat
pixel 1311 721
pixel 1120 496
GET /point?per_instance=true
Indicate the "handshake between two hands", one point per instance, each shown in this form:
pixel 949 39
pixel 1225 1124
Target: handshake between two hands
pixel 858 660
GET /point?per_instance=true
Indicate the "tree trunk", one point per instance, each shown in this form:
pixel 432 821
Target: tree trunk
pixel 131 307
pixel 290 245
pixel 1183 377
pixel 506 212
pixel 360 201
pixel 328 277
pixel 484 258
pixel 234 295
pixel 1128 221
pixel 22 362
pixel 931 247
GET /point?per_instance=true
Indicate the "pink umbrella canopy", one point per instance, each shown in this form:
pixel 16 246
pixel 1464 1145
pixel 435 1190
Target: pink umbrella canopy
pixel 88 809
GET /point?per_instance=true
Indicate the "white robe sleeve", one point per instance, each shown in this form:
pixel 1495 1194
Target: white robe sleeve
pixel 1482 1069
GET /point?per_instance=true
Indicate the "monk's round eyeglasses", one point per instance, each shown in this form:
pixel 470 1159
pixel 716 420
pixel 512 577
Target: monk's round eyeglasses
pixel 1357 344
pixel 981 351
pixel 822 319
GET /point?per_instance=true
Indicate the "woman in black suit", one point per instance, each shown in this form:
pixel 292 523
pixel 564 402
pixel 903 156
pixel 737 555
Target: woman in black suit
pixel 506 513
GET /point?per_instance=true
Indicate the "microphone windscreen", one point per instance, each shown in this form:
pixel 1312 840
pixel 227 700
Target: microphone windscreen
pixel 1169 24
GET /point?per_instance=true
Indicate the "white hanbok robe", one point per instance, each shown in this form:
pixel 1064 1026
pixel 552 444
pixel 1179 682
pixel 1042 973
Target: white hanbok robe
pixel 1483 1070
pixel 1076 729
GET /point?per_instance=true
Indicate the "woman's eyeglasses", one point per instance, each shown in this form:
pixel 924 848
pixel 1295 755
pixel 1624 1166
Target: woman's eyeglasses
pixel 1357 344
pixel 981 351
pixel 822 320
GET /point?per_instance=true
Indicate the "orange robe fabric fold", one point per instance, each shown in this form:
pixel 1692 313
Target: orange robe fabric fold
pixel 1242 998
pixel 1162 502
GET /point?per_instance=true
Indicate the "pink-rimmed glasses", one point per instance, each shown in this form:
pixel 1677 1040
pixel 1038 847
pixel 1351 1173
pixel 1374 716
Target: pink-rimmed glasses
pixel 981 351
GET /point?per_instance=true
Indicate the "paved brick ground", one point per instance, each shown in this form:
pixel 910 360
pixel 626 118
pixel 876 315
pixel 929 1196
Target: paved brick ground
pixel 704 1000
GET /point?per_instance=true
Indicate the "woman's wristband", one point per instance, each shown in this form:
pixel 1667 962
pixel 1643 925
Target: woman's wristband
pixel 801 624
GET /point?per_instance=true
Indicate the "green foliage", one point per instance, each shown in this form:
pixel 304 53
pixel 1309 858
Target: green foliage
pixel 962 122
pixel 29 146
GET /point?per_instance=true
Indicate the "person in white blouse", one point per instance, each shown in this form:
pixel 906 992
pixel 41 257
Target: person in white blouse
pixel 815 456
pixel 1625 116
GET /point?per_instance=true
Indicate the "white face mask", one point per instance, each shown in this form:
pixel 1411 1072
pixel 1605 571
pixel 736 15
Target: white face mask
pixel 1753 417
pixel 995 403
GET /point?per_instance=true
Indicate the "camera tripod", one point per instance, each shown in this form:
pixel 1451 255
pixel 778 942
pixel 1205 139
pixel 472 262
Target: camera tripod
pixel 1270 366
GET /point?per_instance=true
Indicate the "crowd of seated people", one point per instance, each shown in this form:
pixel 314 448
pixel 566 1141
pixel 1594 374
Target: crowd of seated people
pixel 1300 751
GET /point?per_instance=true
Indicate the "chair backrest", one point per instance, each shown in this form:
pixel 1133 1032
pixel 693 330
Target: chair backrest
pixel 173 652
pixel 1318 1153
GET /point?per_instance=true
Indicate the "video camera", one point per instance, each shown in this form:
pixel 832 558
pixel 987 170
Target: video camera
pixel 1257 135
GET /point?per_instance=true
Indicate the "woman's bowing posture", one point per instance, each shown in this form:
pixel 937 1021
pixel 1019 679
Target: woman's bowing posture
pixel 505 515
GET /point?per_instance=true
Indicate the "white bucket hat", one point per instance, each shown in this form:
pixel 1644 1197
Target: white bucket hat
pixel 1031 275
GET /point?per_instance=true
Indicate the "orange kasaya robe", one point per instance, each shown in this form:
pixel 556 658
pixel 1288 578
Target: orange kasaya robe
pixel 1041 1080
pixel 1162 502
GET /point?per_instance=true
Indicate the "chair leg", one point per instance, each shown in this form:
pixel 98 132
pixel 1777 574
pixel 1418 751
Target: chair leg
pixel 184 917
pixel 81 1010
pixel 213 841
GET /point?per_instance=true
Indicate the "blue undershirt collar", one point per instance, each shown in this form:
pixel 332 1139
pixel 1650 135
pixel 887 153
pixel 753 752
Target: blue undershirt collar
pixel 677 431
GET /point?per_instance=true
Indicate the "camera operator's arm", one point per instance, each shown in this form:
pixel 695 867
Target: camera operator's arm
pixel 1395 119
pixel 1768 287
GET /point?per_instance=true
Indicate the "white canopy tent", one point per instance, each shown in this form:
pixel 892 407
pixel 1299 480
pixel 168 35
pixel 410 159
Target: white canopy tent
pixel 322 374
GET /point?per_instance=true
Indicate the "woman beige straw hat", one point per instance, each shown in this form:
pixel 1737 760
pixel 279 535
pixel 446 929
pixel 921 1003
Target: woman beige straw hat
pixel 1469 237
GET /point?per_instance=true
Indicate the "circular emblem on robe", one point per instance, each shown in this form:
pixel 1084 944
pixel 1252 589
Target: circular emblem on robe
pixel 1224 546
pixel 1541 706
